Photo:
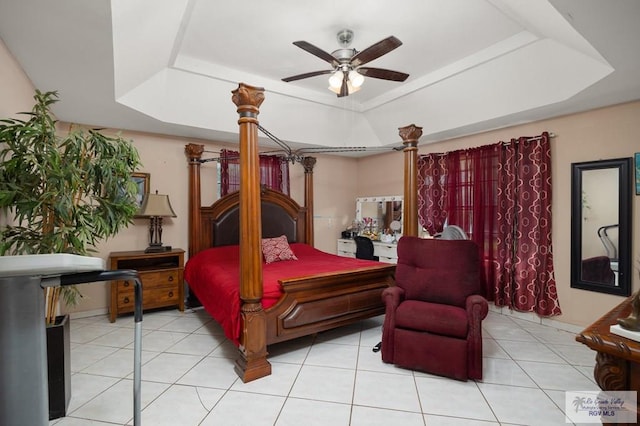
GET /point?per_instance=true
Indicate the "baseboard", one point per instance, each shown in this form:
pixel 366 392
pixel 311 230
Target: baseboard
pixel 535 318
pixel 86 314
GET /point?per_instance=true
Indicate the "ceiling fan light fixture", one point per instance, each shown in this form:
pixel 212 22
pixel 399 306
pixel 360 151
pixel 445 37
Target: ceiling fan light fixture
pixel 355 78
pixel 350 88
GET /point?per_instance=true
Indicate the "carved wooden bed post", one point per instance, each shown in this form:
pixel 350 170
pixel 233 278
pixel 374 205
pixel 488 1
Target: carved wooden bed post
pixel 194 153
pixel 308 163
pixel 252 361
pixel 410 135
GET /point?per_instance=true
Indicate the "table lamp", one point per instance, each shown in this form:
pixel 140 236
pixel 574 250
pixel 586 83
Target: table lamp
pixel 155 207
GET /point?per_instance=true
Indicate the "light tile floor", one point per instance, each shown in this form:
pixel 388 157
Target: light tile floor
pixel 332 379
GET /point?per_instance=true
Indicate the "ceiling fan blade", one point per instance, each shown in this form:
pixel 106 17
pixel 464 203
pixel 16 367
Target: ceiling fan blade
pixel 316 51
pixel 306 75
pixel 344 89
pixel 383 74
pixel 375 51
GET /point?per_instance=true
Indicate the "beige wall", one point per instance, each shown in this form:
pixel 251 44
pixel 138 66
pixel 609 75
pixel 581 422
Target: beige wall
pixel 594 135
pixel 16 88
pixel 335 182
pixel 599 134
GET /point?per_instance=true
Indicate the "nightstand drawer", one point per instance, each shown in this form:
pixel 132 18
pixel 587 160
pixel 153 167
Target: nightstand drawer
pixel 157 278
pixel 152 298
pixel 152 279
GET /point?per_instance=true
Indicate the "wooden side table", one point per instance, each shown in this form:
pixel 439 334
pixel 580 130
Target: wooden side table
pixel 162 280
pixel 617 358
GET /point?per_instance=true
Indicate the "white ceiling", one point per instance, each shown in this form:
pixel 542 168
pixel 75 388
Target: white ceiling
pixel 169 66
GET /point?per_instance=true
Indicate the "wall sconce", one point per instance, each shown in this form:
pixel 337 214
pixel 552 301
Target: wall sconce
pixel 155 207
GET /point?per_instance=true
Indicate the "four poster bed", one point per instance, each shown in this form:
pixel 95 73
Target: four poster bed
pixel 307 291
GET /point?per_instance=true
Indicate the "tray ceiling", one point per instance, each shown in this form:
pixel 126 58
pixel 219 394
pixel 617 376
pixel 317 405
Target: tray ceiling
pixel 169 66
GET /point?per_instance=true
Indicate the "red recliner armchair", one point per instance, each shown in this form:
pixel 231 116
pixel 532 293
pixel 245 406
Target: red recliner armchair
pixel 433 317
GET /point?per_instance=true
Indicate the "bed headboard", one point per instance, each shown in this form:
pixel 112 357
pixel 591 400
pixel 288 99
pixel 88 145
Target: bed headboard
pixel 219 224
pixel 281 215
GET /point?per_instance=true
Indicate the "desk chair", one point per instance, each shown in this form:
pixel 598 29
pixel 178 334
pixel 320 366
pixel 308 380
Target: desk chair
pixel 364 248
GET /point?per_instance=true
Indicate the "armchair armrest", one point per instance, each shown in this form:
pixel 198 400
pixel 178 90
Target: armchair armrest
pixel 477 308
pixel 392 296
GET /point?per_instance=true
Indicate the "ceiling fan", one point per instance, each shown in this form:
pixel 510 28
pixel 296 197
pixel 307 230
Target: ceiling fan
pixel 347 69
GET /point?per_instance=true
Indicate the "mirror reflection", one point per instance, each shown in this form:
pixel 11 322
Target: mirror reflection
pixel 380 218
pixel 600 214
pixel 600 248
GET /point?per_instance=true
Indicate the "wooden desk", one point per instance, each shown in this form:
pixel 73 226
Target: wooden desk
pixel 617 358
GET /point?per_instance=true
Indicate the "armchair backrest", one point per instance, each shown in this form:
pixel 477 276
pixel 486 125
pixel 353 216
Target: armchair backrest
pixel 438 271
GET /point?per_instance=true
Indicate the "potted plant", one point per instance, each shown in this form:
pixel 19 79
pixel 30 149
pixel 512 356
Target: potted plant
pixel 62 192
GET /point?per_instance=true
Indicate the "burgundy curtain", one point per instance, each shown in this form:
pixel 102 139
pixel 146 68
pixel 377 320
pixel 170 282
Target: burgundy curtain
pixel 229 172
pixel 274 172
pixel 472 188
pixel 431 192
pixel 524 265
pixel 459 188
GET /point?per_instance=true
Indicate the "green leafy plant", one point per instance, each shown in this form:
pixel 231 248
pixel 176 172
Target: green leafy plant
pixel 62 192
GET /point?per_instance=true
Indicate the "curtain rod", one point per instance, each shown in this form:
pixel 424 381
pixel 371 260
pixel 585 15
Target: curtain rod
pixel 531 139
pixel 537 138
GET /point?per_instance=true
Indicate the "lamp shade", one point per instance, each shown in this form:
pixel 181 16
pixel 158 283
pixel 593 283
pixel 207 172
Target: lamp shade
pixel 350 88
pixel 356 78
pixel 335 81
pixel 156 205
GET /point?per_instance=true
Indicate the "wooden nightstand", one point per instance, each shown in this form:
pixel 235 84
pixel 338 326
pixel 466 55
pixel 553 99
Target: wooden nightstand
pixel 161 275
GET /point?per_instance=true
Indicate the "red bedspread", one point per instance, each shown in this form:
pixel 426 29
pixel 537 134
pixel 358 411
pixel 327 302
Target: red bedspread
pixel 214 276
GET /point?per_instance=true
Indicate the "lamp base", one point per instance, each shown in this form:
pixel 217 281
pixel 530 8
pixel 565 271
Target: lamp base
pixel 157 249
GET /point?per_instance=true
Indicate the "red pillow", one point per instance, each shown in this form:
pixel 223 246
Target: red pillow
pixel 277 249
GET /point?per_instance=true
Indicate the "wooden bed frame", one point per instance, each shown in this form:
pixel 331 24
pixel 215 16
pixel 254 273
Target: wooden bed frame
pixel 309 305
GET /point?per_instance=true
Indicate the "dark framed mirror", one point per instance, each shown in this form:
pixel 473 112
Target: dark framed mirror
pixel 601 226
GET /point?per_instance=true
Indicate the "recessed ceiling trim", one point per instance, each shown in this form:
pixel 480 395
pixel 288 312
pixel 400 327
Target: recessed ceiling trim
pixel 497 50
pixel 218 72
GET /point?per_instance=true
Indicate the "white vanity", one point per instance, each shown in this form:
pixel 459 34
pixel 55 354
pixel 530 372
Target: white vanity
pixel 382 212
pixel 387 252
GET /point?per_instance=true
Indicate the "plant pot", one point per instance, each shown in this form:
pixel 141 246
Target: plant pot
pixel 59 367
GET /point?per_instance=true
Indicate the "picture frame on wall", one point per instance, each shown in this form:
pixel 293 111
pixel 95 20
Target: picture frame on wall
pixel 637 173
pixel 142 181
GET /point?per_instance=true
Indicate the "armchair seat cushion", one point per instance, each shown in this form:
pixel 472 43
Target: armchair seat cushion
pixel 435 318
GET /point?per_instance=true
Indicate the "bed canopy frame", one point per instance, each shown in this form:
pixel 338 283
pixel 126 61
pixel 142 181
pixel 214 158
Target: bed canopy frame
pixel 252 360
